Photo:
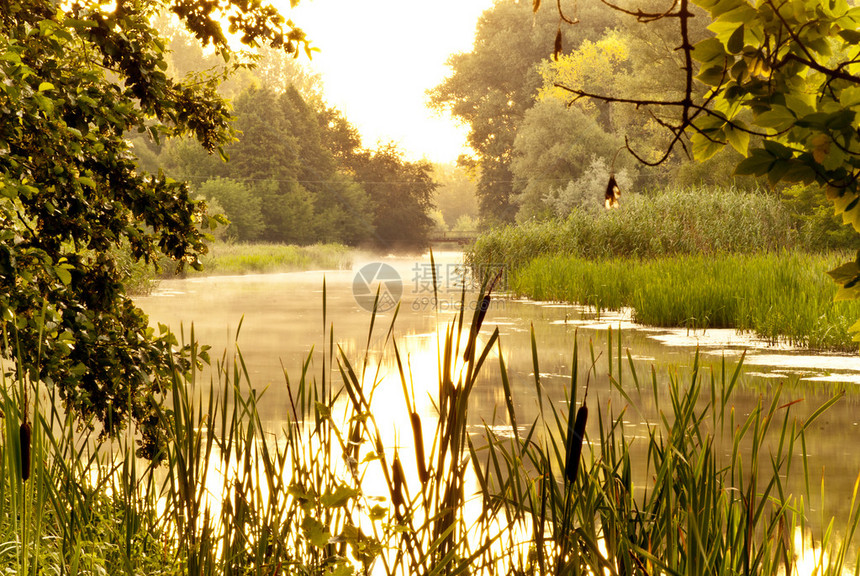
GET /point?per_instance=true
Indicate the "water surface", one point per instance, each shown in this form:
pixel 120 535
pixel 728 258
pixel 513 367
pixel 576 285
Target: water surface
pixel 282 324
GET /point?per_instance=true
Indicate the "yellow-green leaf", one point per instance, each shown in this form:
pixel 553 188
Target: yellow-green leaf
pixel 738 138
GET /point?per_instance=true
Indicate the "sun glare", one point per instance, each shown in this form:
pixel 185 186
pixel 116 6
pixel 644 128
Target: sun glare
pixel 378 59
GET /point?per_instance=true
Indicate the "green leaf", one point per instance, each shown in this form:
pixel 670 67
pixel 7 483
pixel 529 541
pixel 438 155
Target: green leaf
pixel 851 36
pixel 738 138
pixel 712 76
pixel 780 151
pixel 45 87
pixel 778 118
pixel 87 181
pixel 850 96
pixel 709 50
pixel 736 41
pixel 340 497
pixel 63 274
pixel 315 532
pixel 44 103
pixel 757 164
pixel 778 170
pixel 378 512
pixel 799 171
pixel 704 148
pixel 845 273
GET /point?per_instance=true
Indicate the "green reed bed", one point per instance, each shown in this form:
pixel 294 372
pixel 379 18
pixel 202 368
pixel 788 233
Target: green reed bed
pixel 234 258
pixel 326 494
pixel 779 296
pixel 670 222
pixel 228 259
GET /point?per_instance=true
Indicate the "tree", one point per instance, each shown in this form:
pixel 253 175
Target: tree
pixel 401 193
pixel 241 206
pixel 75 79
pixel 782 87
pixel 455 196
pixel 491 88
pixel 554 146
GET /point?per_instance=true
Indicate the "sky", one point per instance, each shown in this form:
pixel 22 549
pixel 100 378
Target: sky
pixel 377 60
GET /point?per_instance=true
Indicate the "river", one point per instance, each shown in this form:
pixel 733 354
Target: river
pixel 281 318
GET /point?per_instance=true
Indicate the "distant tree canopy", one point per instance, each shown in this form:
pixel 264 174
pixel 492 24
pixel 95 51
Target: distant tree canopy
pixel 75 79
pixel 777 82
pixel 529 145
pixel 300 163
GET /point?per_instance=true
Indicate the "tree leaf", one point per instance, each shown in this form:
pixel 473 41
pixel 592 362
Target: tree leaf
pixel 738 138
pixel 736 41
pixel 757 164
pixel 315 532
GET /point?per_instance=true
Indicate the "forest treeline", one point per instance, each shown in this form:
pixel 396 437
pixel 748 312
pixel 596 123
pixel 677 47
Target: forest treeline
pixel 298 172
pixel 541 154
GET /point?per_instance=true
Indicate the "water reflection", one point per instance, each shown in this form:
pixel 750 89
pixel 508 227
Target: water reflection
pixel 282 325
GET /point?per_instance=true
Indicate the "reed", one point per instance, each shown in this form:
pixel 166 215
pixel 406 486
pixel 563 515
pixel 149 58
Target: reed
pixel 235 258
pixel 232 496
pixel 705 492
pixel 780 296
pixel 670 222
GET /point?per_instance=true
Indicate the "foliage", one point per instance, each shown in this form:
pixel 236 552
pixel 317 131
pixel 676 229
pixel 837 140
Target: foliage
pixel 455 196
pixel 284 166
pixel 782 88
pixel 490 90
pixel 505 105
pixel 402 195
pixel 553 149
pixel 819 226
pixel 778 296
pixel 241 207
pixel 332 494
pixel 588 191
pixel 75 80
pixel 672 221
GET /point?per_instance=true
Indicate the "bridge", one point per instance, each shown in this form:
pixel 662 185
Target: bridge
pixel 459 237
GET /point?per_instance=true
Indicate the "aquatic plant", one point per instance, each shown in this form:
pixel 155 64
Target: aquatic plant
pixel 780 296
pixel 330 493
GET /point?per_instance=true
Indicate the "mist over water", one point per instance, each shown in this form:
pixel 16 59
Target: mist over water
pixel 281 317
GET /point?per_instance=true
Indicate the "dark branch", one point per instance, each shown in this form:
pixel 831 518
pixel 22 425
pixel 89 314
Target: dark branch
pixel 645 17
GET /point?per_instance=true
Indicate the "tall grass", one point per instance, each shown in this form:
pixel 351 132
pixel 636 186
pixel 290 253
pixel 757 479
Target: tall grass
pixel 672 222
pixel 327 494
pixel 234 258
pixel 779 296
pixel 674 504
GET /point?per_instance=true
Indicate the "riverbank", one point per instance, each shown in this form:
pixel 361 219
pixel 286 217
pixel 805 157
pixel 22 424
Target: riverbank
pixel 784 296
pixel 234 495
pixel 236 259
pixel 262 258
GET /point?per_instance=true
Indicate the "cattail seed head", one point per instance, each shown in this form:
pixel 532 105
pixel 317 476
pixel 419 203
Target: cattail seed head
pixel 24 437
pixel 574 444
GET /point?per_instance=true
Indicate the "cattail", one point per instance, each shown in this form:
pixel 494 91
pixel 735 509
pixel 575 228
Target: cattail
pixel 418 437
pixel 574 444
pixel 398 478
pixel 478 320
pixel 558 39
pixel 24 436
